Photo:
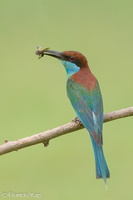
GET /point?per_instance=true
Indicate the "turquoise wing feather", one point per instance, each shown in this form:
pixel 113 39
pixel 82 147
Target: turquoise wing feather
pixel 89 109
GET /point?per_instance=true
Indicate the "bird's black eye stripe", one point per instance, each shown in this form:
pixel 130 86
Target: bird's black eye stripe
pixel 78 63
pixel 73 60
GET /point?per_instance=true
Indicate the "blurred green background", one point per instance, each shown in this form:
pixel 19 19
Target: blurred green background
pixel 33 96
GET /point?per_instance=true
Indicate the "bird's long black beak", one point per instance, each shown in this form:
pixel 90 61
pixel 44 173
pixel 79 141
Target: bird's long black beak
pixel 54 54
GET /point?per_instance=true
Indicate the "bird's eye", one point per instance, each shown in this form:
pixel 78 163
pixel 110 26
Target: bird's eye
pixel 71 58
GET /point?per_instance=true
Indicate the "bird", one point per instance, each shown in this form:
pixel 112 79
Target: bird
pixel 84 93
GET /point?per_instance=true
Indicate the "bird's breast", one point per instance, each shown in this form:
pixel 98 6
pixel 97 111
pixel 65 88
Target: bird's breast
pixel 86 79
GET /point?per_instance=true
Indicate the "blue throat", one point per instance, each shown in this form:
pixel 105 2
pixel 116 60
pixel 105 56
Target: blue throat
pixel 71 68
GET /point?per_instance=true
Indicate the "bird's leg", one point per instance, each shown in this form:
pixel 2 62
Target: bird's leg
pixel 77 121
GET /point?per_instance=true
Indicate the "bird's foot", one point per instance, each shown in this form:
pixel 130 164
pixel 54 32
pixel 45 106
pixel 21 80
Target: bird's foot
pixel 77 121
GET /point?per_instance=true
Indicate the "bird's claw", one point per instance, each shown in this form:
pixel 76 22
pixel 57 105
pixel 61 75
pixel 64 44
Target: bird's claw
pixel 77 121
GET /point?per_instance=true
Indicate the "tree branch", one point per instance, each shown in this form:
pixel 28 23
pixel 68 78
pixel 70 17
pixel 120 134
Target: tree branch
pixel 45 136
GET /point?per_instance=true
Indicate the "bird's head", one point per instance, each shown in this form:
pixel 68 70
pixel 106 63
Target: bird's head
pixel 73 61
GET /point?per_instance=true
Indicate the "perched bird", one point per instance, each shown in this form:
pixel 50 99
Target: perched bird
pixel 85 96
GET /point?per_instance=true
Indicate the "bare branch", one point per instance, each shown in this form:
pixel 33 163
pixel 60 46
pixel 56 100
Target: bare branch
pixel 45 136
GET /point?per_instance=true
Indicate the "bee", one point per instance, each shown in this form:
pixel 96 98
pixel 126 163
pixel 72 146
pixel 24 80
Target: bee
pixel 40 52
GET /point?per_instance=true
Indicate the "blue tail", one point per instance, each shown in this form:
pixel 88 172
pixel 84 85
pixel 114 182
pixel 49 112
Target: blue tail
pixel 102 170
